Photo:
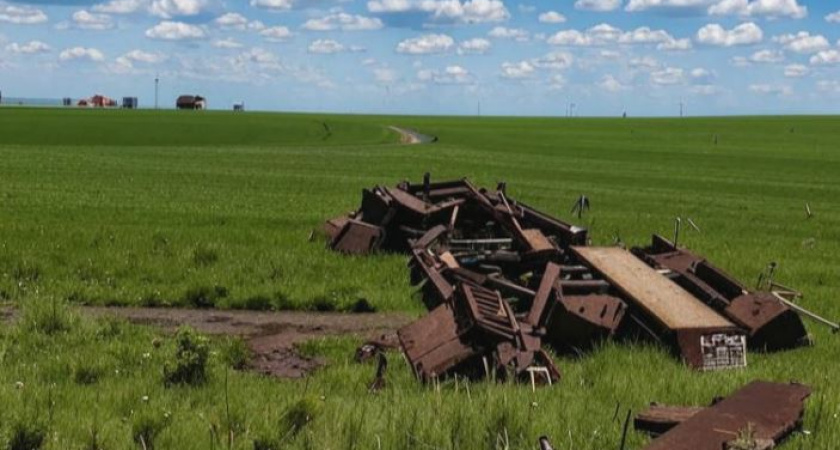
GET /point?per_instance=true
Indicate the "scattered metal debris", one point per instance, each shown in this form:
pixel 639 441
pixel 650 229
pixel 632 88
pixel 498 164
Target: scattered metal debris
pixel 501 279
pixel 771 411
pixel 770 324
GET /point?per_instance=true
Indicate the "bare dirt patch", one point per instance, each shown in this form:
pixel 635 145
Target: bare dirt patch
pixel 410 137
pixel 271 336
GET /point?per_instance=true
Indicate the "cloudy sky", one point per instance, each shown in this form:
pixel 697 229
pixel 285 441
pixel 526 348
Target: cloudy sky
pixel 509 57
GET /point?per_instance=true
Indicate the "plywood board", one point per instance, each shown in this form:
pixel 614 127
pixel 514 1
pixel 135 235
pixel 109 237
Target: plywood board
pixel 663 299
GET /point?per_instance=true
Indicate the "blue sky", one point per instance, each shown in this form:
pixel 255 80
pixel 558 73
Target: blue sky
pixel 534 57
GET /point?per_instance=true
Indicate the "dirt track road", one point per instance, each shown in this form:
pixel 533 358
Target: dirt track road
pixel 411 137
pixel 271 336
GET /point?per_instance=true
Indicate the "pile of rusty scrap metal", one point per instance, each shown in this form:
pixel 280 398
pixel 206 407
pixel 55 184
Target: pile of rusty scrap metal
pixel 501 279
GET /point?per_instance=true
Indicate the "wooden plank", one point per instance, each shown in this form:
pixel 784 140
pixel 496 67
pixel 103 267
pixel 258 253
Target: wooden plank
pixel 663 299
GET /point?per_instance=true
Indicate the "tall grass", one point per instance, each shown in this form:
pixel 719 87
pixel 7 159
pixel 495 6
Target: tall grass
pixel 219 217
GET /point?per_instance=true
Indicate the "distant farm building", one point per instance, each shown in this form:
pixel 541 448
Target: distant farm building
pixel 191 102
pixel 97 101
pixel 129 102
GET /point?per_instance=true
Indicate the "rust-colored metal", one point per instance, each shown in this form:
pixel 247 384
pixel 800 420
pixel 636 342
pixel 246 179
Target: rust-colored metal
pixel 705 339
pixel 436 344
pixel 333 226
pixel 357 237
pixel 580 321
pixel 773 410
pixel 770 324
pixel 536 315
pixel 426 269
pixel 659 419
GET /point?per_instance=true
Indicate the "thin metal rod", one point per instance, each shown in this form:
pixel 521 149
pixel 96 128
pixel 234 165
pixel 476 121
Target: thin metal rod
pixel 834 326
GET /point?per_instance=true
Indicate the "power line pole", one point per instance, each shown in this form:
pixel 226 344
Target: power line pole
pixel 157 83
pixel 682 108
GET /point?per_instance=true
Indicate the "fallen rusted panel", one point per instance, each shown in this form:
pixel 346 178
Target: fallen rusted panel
pixel 659 419
pixel 435 345
pixel 357 237
pixel 773 411
pixel 333 226
pixel 770 324
pixel 705 339
pixel 580 321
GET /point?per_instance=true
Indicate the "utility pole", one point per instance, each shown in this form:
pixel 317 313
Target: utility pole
pixel 682 108
pixel 157 84
pixel 479 108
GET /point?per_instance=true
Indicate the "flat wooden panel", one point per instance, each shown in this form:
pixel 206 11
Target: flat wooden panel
pixel 659 296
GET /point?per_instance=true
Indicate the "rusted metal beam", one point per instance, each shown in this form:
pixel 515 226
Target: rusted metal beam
pixel 773 411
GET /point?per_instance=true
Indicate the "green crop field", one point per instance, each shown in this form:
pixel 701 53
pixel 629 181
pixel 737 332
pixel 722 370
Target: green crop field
pixel 187 209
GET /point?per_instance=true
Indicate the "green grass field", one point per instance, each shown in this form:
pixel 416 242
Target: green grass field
pixel 148 208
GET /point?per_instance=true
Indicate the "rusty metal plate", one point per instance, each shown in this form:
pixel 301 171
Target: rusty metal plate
pixel 773 326
pixel 435 344
pixel 357 238
pixel 581 321
pixel 774 410
pixel 659 419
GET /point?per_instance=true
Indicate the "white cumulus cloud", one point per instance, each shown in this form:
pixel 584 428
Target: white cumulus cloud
pixel 343 21
pixel 745 34
pixel 767 57
pixel 826 58
pixel 517 70
pixel 168 9
pixel 803 42
pixel 22 15
pixel 175 31
pixel 470 11
pixel 668 76
pixel 475 46
pixel 598 5
pixel 610 83
pixel 552 17
pixel 28 48
pixel 450 75
pixel 278 33
pixel 755 8
pixel 227 43
pixel 604 34
pixel 426 44
pixel 516 34
pixel 796 71
pixel 329 46
pixel 645 5
pixel 771 89
pixel 81 53
pixel 273 5
pixel 833 17
pixel 120 6
pixel 92 21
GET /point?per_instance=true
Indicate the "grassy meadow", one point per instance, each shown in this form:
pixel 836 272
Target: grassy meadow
pixel 182 209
